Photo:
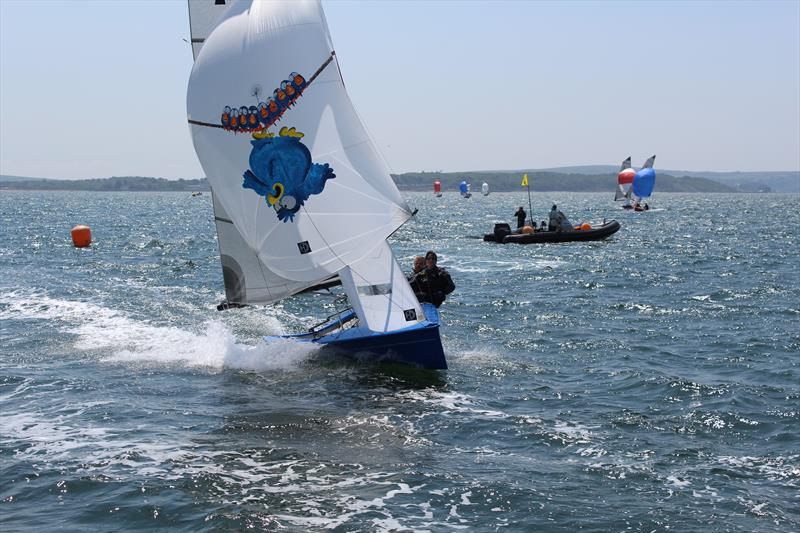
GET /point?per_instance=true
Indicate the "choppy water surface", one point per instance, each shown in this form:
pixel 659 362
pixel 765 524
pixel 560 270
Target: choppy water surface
pixel 648 382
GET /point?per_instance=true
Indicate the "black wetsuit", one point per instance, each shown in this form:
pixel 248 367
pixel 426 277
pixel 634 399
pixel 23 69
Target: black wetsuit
pixel 432 285
pixel 520 214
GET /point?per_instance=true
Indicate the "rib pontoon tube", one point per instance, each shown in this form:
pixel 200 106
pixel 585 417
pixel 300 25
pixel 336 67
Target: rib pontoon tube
pixel 595 234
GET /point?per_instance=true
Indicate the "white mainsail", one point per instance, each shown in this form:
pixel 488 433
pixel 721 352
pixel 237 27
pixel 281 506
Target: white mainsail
pixel 308 195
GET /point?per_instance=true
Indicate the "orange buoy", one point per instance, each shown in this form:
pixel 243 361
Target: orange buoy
pixel 81 236
pixel 586 226
pixel 526 229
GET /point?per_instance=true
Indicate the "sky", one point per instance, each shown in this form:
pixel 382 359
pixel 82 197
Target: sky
pixel 92 89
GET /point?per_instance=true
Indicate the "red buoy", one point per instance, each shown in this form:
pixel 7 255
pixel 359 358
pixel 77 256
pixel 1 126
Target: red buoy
pixel 81 236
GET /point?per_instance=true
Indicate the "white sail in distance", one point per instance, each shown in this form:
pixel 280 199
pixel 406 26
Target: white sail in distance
pixel 353 204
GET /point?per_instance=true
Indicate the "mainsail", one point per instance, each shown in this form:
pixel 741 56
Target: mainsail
pixel 290 163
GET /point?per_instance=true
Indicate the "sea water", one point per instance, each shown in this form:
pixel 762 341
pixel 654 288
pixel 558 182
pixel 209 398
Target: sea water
pixel 646 382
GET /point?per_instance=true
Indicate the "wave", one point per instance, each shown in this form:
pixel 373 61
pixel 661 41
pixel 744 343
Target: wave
pixel 120 338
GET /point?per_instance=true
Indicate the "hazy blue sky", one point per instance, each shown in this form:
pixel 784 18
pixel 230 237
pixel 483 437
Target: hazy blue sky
pixel 94 89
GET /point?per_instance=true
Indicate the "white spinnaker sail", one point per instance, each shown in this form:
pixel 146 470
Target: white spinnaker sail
pixel 485 189
pixel 255 46
pixel 247 280
pixel 377 288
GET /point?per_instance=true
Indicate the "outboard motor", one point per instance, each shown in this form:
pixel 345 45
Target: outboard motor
pixel 501 230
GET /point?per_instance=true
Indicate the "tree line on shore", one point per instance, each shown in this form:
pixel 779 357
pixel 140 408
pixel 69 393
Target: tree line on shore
pixel 544 181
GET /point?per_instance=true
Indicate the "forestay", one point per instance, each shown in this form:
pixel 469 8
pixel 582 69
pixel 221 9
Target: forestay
pixel 311 196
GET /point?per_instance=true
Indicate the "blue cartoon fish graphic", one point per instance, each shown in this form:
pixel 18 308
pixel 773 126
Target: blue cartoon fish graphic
pixel 282 172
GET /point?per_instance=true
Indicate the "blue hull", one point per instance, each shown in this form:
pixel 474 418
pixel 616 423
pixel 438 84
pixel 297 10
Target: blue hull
pixel 418 345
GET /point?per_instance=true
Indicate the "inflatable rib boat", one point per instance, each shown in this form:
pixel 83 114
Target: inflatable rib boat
pixel 502 234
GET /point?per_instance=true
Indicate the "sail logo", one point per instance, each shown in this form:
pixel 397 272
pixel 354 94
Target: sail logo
pixel 282 172
pixel 265 114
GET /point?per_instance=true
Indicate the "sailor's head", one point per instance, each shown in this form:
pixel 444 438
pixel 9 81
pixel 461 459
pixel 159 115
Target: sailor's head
pixel 554 207
pixel 419 263
pixel 430 258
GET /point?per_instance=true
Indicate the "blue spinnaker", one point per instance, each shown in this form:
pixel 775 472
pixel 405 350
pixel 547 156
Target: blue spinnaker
pixel 463 187
pixel 643 182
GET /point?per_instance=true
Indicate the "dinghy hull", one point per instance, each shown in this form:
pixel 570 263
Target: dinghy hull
pixel 418 345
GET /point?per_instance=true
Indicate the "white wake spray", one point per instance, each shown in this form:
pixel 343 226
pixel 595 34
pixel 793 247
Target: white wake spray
pixel 120 338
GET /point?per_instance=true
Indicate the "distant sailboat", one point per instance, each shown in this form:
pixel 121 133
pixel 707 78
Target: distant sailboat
pixel 624 181
pixel 643 184
pixel 437 188
pixel 301 198
pixel 464 189
pixel 485 189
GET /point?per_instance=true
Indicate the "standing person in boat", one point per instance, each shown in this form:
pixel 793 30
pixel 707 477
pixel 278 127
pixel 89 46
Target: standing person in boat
pixel 434 283
pixel 520 214
pixel 553 222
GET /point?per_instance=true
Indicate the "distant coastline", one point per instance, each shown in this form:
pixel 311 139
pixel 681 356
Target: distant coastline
pixel 583 179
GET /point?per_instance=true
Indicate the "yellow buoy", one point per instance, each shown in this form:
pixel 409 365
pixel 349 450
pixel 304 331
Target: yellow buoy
pixel 81 236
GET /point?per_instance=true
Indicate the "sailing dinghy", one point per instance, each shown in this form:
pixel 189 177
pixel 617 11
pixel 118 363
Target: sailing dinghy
pixel 301 197
pixel 624 182
pixel 643 184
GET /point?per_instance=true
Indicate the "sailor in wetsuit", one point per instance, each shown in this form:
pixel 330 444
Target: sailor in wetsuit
pixel 520 214
pixel 433 284
pixel 553 222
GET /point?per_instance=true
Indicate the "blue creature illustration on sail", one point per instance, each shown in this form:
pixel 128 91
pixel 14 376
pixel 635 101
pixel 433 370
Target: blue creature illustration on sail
pixel 281 169
pixel 282 172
